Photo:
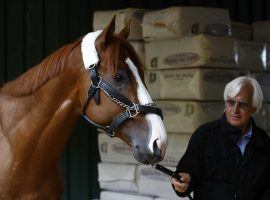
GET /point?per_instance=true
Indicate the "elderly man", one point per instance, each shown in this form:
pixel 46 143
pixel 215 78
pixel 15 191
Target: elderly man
pixel 229 159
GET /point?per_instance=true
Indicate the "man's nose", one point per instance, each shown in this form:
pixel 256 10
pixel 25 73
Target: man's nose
pixel 236 107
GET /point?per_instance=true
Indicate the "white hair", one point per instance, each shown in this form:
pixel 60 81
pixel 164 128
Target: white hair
pixel 234 87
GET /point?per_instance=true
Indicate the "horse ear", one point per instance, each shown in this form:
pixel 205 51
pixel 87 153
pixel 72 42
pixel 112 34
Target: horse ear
pixel 105 37
pixel 124 33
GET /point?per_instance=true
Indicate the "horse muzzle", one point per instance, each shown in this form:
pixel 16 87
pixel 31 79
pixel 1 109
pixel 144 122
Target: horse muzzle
pixel 145 155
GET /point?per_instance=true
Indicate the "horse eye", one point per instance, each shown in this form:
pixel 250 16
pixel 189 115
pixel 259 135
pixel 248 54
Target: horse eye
pixel 119 78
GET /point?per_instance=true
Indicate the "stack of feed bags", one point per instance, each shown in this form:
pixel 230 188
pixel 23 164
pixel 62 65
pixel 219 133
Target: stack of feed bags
pixel 261 33
pixel 189 56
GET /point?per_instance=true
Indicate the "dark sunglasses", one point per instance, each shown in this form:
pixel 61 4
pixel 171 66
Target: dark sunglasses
pixel 241 104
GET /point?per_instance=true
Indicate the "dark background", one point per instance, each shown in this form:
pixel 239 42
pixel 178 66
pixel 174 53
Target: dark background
pixel 32 29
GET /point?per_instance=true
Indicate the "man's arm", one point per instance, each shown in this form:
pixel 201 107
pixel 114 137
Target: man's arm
pixel 189 166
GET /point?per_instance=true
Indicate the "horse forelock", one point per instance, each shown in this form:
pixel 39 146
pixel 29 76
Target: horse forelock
pixel 119 50
pixel 38 75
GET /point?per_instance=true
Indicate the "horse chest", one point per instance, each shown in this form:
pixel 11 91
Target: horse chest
pixel 5 156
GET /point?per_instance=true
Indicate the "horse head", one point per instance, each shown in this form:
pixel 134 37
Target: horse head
pixel 114 95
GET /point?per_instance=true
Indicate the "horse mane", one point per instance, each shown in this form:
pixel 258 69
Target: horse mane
pixel 50 67
pixel 38 75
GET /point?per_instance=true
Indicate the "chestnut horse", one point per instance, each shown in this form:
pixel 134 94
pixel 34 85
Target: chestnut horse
pixel 99 76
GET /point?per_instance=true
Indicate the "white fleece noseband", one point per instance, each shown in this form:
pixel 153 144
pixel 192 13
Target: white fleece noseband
pixel 88 48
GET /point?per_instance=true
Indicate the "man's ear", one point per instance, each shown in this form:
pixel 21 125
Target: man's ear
pixel 105 37
pixel 124 33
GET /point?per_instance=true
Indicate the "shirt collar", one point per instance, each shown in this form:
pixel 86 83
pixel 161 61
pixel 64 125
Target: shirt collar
pixel 248 133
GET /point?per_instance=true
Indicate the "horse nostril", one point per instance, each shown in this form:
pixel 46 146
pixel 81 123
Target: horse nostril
pixel 157 151
pixel 146 155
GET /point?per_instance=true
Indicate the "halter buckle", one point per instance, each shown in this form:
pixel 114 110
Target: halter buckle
pixel 92 66
pixel 100 80
pixel 133 111
pixel 110 132
pixel 98 84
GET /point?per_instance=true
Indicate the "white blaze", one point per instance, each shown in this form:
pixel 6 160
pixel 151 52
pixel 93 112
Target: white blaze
pixel 154 121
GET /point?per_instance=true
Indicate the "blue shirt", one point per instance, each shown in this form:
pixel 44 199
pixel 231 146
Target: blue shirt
pixel 242 142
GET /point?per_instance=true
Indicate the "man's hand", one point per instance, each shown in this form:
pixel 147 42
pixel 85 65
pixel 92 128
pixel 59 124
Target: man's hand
pixel 182 187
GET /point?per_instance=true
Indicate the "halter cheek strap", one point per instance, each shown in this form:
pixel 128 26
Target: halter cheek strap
pixel 131 109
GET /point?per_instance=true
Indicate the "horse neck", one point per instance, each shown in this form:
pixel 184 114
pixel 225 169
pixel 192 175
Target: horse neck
pixel 37 126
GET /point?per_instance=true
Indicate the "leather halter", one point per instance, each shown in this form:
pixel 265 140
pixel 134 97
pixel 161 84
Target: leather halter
pixel 132 109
